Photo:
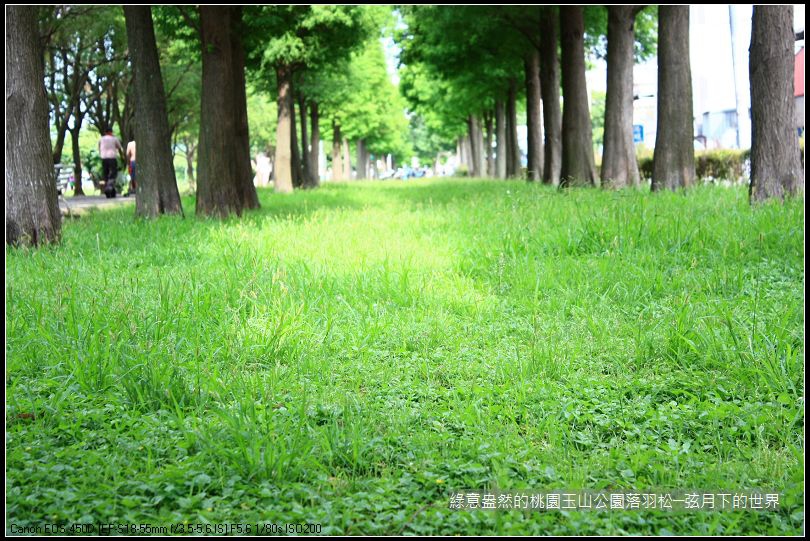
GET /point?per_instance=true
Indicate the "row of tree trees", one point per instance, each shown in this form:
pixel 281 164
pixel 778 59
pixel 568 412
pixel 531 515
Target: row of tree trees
pixel 165 74
pixel 89 78
pixel 327 63
pixel 461 68
pixel 107 66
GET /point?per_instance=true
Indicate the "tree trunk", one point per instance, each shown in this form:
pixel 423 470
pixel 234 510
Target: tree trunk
pixel 60 144
pixel 73 85
pixel 475 156
pixel 513 165
pixel 362 160
pixel 479 147
pixel 60 116
pixel 217 186
pixel 347 160
pixel 534 119
pixel 78 189
pixel 500 140
pixel 283 166
pixel 314 150
pixel 468 153
pixel 32 210
pixel 190 151
pixel 550 88
pixel 619 167
pixel 297 170
pixel 126 118
pixel 674 155
pixel 112 113
pixel 337 156
pixel 488 145
pixel 157 184
pixel 776 169
pixel 305 165
pixel 78 115
pixel 241 157
pixel 578 166
pixel 61 133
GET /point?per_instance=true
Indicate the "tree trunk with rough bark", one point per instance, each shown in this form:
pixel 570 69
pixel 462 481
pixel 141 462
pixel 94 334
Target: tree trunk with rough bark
pixel 578 168
pixel 362 160
pixel 157 184
pixel 217 185
pixel 475 157
pixel 550 88
pixel 32 210
pixel 619 167
pixel 674 154
pixel 513 165
pixel 314 150
pixel 337 153
pixel 244 172
pixel 283 165
pixel 468 153
pixel 78 115
pixel 59 146
pixel 347 160
pixel 478 142
pixel 305 165
pixel 295 150
pixel 534 119
pixel 78 189
pixel 776 168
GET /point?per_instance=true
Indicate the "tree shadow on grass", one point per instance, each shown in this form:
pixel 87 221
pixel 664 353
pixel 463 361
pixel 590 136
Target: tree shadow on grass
pixel 304 203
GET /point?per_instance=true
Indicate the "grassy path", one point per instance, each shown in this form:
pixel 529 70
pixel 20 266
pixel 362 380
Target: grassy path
pixel 351 356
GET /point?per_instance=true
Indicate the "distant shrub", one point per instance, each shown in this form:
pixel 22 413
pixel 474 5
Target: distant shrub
pixel 462 171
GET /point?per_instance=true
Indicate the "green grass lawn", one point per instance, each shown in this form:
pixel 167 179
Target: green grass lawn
pixel 353 355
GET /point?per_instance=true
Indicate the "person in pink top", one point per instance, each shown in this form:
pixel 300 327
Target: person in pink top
pixel 109 148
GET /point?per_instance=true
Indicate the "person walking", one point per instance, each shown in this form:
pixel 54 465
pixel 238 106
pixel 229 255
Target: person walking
pixel 109 148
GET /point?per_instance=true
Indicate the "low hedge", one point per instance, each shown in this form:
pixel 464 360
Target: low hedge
pixel 713 165
pixel 710 165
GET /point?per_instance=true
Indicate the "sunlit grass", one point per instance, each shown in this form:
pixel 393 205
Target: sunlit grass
pixel 352 355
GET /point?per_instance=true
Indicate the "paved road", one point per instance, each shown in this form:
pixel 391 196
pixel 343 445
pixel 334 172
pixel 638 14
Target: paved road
pixel 79 205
